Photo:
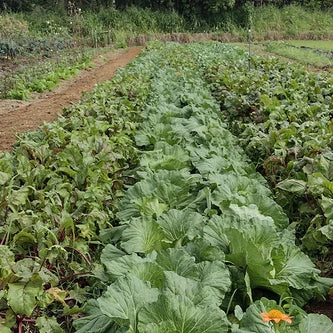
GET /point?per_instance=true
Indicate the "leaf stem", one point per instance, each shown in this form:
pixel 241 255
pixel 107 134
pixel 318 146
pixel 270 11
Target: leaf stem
pixel 80 253
pixel 73 276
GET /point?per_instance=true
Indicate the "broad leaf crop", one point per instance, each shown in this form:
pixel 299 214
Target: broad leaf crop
pixel 197 235
pixel 199 229
pixel 282 115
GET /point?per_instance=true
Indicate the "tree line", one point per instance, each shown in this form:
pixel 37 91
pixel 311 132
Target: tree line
pixel 186 8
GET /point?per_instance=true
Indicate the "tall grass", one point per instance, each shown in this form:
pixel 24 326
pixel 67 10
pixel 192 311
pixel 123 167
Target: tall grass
pixel 269 22
pixel 293 22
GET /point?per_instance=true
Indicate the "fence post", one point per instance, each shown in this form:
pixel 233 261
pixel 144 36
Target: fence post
pixel 249 47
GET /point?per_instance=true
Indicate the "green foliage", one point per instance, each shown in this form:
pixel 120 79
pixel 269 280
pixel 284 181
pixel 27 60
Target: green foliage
pixel 281 113
pixel 52 26
pixel 197 234
pixel 304 56
pixel 44 76
pixel 196 238
pixel 59 189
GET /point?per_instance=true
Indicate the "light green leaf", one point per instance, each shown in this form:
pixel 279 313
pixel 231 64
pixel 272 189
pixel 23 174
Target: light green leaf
pixel 165 156
pixel 215 276
pixel 326 166
pixel 47 325
pixel 19 197
pixel 238 312
pixel 7 259
pixel 292 267
pixel 125 298
pixel 4 329
pixel 117 263
pixel 142 235
pixel 22 296
pixel 316 323
pixel 177 224
pixel 178 261
pixel 202 250
pixel 327 206
pixel 4 177
pixel 95 321
pixel 252 319
pixel 296 186
pixel 182 316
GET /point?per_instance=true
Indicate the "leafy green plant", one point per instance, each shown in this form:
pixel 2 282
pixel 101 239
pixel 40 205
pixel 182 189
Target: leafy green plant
pixel 139 211
pixel 43 77
pixel 281 113
pixel 302 55
pixel 198 236
pixel 59 190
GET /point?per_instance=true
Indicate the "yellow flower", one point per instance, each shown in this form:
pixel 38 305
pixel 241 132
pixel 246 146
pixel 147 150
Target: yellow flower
pixel 276 316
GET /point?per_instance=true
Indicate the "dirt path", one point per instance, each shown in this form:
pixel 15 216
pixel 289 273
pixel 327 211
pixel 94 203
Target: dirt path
pixel 19 116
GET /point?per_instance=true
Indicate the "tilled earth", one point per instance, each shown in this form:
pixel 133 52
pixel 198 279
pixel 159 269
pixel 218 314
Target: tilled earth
pixel 18 116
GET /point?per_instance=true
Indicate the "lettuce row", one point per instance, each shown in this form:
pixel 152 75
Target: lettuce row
pixel 199 232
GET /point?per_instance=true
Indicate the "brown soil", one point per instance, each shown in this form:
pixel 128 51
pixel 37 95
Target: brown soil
pixel 19 116
pixel 325 308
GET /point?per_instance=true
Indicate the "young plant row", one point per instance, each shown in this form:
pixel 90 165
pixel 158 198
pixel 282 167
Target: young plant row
pixel 282 115
pixel 304 55
pixel 200 236
pixel 58 190
pixel 42 77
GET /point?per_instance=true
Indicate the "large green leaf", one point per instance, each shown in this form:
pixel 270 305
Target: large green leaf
pixel 125 298
pixel 165 156
pixel 94 321
pixel 4 177
pixel 215 276
pixel 22 296
pixel 47 325
pixel 159 192
pixel 316 323
pixel 293 186
pixel 178 261
pixel 208 289
pixel 182 316
pixel 142 235
pixel 178 224
pixel 119 264
pixel 252 319
pixel 292 267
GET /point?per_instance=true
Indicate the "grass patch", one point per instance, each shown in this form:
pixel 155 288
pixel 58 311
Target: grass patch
pixel 270 22
pixel 325 45
pixel 303 56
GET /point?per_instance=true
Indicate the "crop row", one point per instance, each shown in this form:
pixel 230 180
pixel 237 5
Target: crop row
pixel 282 115
pixel 199 235
pixel 42 77
pixel 58 190
pixel 196 244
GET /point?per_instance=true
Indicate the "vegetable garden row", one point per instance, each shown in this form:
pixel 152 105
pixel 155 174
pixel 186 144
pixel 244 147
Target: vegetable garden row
pixel 141 209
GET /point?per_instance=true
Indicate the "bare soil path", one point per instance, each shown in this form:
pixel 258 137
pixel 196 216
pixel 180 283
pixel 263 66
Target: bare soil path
pixel 19 116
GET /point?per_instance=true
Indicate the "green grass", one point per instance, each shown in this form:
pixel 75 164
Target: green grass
pixel 270 22
pixel 303 56
pixel 324 45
